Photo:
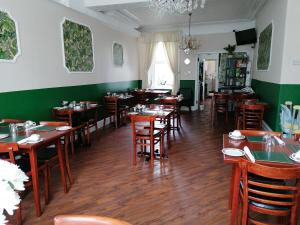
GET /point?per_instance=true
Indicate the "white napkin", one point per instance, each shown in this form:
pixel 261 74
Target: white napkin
pixel 249 154
pixel 23 141
pixel 279 141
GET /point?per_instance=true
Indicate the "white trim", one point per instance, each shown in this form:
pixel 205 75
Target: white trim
pixel 18 40
pixel 63 46
pixel 271 49
pixel 112 48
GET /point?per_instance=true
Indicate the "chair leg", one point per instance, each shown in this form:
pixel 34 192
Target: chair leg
pixel 134 151
pixel 104 121
pixel 46 174
pixel 152 151
pixel 19 214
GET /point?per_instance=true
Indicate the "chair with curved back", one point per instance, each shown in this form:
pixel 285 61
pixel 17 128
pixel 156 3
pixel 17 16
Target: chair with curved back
pixel 252 117
pixel 9 152
pixel 87 220
pixel 114 111
pixel 144 134
pixel 91 116
pixel 175 117
pixel 220 105
pixel 274 199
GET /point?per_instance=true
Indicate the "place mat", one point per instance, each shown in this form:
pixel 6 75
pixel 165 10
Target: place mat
pixel 294 147
pixel 11 139
pixel 255 138
pixel 272 157
pixel 44 128
pixel 4 130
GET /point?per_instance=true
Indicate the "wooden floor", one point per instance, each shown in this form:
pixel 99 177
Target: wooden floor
pixel 191 187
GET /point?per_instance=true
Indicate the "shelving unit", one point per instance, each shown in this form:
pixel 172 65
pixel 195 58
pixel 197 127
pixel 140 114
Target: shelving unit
pixel 236 72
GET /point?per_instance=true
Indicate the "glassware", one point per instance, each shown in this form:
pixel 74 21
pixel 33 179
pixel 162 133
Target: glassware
pixel 108 93
pixel 13 129
pixel 269 141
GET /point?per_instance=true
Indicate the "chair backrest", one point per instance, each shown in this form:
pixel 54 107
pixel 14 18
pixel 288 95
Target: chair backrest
pixel 260 133
pixel 111 103
pixel 13 121
pixel 86 220
pixel 63 115
pixel 54 123
pixel 140 97
pixel 7 151
pixel 140 122
pixel 169 102
pixel 261 191
pixel 221 102
pixel 252 116
pixel 188 96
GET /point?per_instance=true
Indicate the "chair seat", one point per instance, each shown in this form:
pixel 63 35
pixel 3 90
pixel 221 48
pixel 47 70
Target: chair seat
pixel 46 154
pixel 24 164
pixel 146 132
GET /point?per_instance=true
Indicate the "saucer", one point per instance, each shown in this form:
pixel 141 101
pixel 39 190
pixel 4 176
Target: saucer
pixel 63 128
pixel 292 157
pixel 233 152
pixel 235 137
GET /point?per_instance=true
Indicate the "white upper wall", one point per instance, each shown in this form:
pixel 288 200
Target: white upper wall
pixel 273 11
pixel 210 43
pixel 291 56
pixel 40 64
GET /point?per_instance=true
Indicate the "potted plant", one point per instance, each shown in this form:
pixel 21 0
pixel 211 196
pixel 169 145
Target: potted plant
pixel 230 49
pixel 11 181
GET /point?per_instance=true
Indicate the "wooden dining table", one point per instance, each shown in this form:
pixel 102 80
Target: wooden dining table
pixel 290 147
pixel 50 137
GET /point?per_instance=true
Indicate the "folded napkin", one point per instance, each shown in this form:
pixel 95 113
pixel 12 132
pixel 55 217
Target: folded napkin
pixel 249 154
pixel 279 141
pixel 23 141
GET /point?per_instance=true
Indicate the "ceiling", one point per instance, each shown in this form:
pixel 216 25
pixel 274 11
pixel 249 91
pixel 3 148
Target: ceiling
pixel 138 14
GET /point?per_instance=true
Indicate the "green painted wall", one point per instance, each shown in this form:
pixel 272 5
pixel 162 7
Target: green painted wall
pixel 276 94
pixel 188 84
pixel 36 104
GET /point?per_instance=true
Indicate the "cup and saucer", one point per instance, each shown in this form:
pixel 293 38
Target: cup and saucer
pixel 236 135
pixel 295 156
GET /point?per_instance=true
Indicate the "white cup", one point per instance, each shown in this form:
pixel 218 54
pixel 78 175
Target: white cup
pixel 297 155
pixel 236 133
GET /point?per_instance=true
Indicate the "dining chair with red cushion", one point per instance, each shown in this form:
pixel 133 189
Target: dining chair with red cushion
pixel 86 220
pixel 279 200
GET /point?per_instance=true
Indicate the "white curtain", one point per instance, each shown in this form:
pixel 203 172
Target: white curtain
pixel 172 53
pixel 147 45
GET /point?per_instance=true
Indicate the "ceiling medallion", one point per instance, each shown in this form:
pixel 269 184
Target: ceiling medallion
pixel 189 44
pixel 176 6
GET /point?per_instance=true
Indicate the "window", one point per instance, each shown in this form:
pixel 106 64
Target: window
pixel 160 75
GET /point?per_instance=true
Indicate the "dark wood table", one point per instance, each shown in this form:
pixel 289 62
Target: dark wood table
pixel 236 172
pixel 52 137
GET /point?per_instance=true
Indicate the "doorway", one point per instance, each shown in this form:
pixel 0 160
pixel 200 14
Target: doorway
pixel 208 64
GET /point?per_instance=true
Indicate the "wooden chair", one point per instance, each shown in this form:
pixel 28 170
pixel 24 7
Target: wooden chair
pixel 86 220
pixel 175 117
pixel 92 115
pixel 252 117
pixel 188 97
pixel 279 200
pixel 144 134
pixel 66 115
pixel 50 156
pixel 9 152
pixel 141 97
pixel 114 111
pixel 220 105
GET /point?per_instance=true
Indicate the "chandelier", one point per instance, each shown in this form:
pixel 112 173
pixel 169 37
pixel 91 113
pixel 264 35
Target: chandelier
pixel 189 44
pixel 179 6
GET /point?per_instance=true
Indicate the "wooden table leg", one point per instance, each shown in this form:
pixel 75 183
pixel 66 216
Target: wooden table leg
pixel 235 194
pixel 61 165
pixel 35 181
pixel 231 187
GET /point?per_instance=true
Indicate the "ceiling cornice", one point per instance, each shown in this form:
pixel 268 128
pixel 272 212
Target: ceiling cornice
pixel 111 22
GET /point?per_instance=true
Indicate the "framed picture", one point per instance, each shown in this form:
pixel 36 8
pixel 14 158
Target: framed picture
pixel 78 49
pixel 118 54
pixel 9 38
pixel 264 48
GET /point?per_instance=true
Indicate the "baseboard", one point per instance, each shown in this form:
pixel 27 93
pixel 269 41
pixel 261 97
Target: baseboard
pixel 266 126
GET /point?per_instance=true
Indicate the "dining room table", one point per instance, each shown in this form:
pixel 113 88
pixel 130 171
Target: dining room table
pixel 277 155
pixel 48 136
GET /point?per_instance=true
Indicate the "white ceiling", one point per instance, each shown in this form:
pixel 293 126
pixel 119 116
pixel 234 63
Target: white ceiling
pixel 138 14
